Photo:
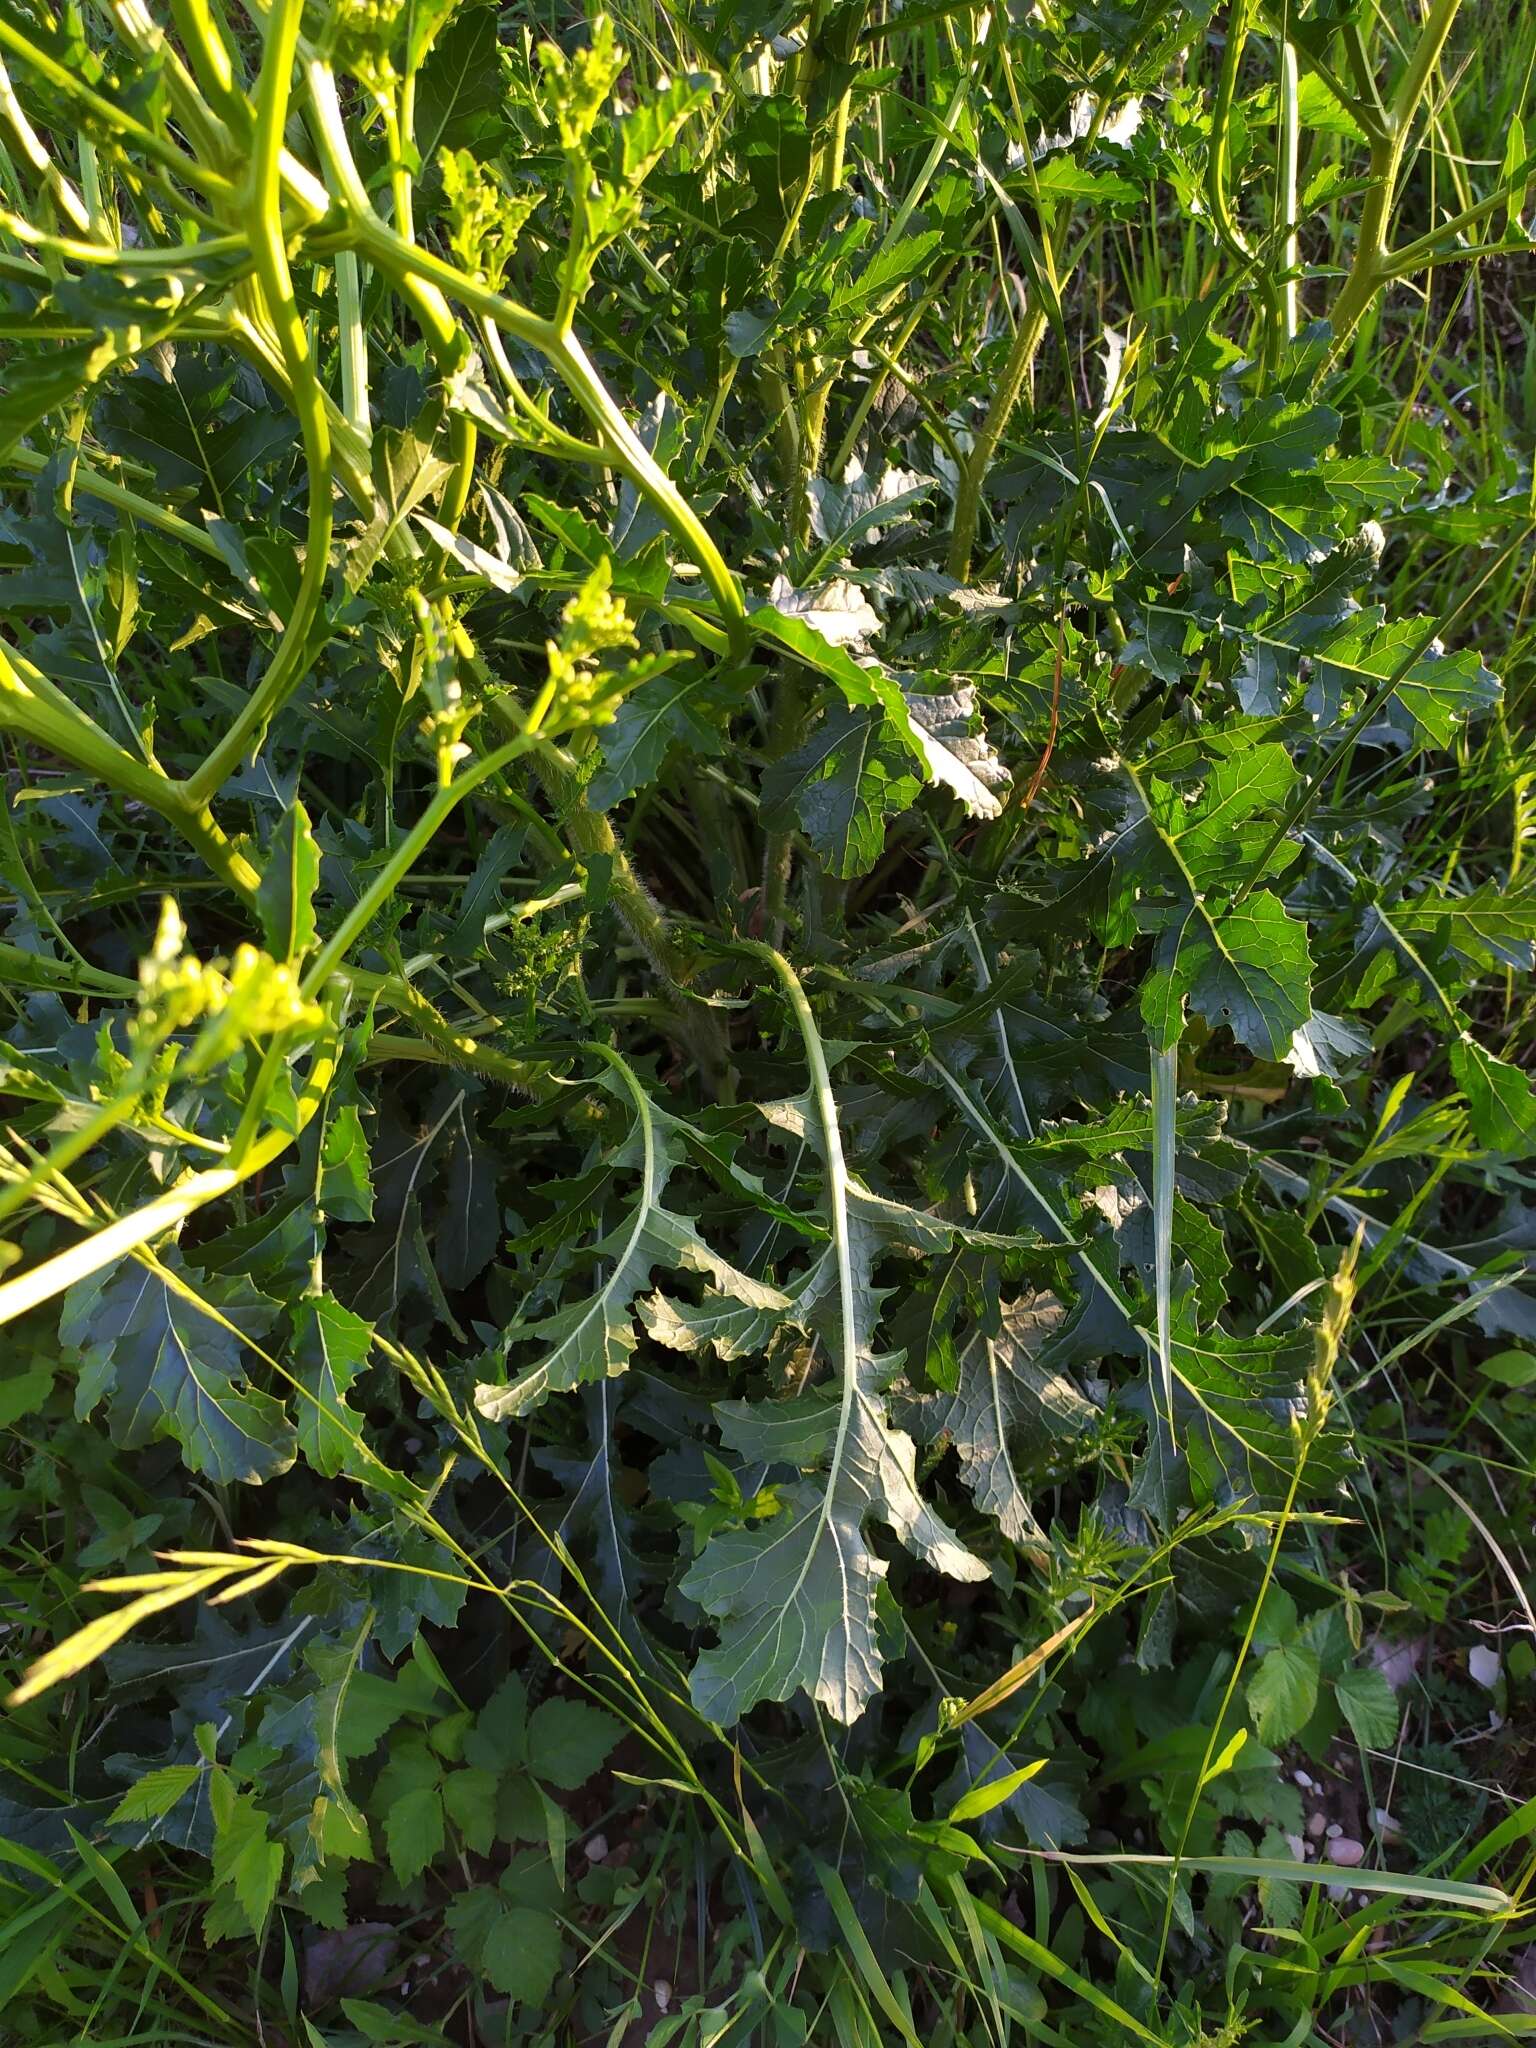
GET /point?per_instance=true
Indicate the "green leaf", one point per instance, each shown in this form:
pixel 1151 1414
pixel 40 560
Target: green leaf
pixel 407 469
pixel 594 1337
pixel 164 1343
pixel 1500 1099
pixel 649 130
pixel 1242 963
pixel 493 570
pixel 520 1954
pixel 678 709
pixel 886 272
pixel 1004 1402
pixel 1439 691
pixel 330 1349
pixel 795 1598
pixel 984 1798
pixel 1247 966
pixel 23 1393
pixel 1370 1707
pixel 346 1184
pixel 1487 927
pixel 152 1796
pixel 840 786
pixel 1510 1369
pixel 1237 1400
pixel 285 901
pixel 1283 1691
pixel 469 1799
pixel 570 1741
pixel 245 1862
pixel 460 91
pixel 864 687
pixel 413 1830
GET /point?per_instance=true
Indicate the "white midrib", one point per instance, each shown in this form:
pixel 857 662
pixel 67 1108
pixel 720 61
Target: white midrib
pixel 837 1204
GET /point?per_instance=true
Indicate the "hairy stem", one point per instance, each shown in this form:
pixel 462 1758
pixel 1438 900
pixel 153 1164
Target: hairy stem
pixel 1016 368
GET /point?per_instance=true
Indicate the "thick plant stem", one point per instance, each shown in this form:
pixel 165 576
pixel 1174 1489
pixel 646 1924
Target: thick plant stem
pixel 405 856
pixel 1368 272
pixel 622 446
pixel 268 247
pixel 1021 355
pixel 1374 263
pixel 631 455
pixel 591 834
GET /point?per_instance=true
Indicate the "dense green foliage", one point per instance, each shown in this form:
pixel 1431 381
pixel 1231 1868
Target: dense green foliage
pixel 767 1170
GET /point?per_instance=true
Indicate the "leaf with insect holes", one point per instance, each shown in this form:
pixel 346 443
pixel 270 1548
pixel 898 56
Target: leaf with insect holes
pixel 1246 965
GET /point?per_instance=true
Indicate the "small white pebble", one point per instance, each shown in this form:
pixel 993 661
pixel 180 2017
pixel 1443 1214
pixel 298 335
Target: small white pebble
pixel 1338 1891
pixel 1297 1847
pixel 1385 1822
pixel 1316 1825
pixel 663 1991
pixel 597 1849
pixel 1300 1778
pixel 1484 1666
pixel 1348 1851
pixel 1333 1831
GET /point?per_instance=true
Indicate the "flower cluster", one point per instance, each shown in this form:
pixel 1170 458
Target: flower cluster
pixel 594 621
pixel 254 998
